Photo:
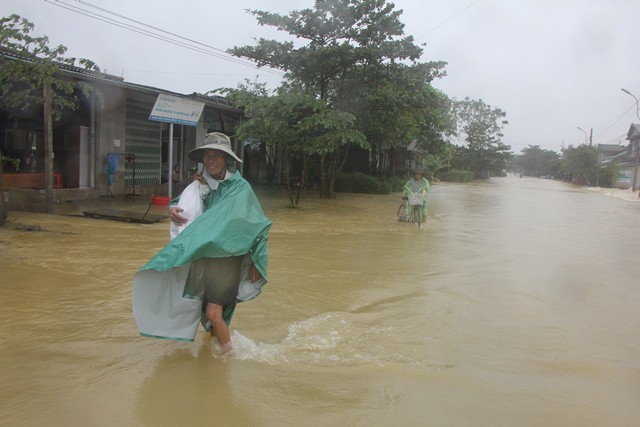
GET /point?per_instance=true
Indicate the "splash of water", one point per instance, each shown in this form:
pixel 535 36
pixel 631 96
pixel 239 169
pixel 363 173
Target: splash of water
pixel 328 339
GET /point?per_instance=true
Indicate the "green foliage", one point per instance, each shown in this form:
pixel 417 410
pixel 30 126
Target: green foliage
pixel 396 182
pixel 434 164
pixel 339 34
pixel 296 123
pixel 10 164
pixel 607 175
pixel 456 175
pixel 295 120
pixel 358 182
pixel 34 79
pixel 21 81
pixel 555 168
pixel 275 119
pixel 353 55
pixel 328 129
pixel 535 161
pixel 581 162
pixel 480 126
pixel 397 105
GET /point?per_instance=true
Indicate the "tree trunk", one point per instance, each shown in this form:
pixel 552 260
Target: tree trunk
pixel 303 178
pixel 338 160
pixel 323 181
pixel 286 166
pixel 48 148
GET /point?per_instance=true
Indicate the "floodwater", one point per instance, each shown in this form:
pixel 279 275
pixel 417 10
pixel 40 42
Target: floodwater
pixel 516 304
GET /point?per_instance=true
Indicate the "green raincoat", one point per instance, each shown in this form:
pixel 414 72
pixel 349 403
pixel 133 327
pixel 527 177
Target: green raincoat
pixel 415 187
pixel 233 224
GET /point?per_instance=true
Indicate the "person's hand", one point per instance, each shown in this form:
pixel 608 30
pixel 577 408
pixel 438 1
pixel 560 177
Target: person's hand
pixel 199 177
pixel 175 217
pixel 254 273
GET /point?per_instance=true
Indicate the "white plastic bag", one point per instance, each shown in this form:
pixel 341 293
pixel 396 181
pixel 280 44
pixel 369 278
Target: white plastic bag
pixel 415 199
pixel 191 204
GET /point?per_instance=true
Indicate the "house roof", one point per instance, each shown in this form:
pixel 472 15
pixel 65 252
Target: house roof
pixel 619 157
pixel 634 131
pixel 215 101
pixel 611 149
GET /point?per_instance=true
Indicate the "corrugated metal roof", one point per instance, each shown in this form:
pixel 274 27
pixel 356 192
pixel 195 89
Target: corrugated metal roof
pixel 219 102
pixel 611 148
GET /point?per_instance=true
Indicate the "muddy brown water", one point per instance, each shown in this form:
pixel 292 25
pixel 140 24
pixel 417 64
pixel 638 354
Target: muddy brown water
pixel 516 304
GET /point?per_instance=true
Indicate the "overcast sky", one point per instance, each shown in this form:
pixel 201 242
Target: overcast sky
pixel 552 65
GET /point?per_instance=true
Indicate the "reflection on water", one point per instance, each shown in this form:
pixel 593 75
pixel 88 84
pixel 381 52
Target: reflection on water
pixel 514 305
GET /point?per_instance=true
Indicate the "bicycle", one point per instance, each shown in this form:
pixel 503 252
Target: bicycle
pixel 409 209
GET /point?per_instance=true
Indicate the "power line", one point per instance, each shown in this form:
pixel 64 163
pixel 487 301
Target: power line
pixel 540 122
pixel 146 25
pixel 171 38
pixel 448 19
pixel 616 139
pixel 616 121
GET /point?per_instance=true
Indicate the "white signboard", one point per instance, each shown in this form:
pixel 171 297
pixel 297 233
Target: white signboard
pixel 624 177
pixel 173 109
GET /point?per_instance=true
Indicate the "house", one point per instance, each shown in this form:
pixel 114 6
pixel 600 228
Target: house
pixel 627 161
pixel 607 152
pixel 107 146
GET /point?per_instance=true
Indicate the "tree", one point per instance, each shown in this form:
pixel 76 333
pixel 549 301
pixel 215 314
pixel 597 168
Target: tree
pixel 481 127
pixel 274 122
pixel 341 34
pixel 350 45
pixel 33 77
pixel 398 105
pixel 535 161
pixel 581 163
pixel 298 125
pixel 434 164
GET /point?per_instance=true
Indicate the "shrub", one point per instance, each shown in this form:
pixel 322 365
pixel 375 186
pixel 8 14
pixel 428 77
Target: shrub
pixel 359 182
pixel 456 175
pixel 9 164
pixel 396 182
pixel 607 176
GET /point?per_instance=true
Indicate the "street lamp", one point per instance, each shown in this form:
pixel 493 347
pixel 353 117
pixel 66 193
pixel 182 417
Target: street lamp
pixel 585 134
pixel 635 172
pixel 637 102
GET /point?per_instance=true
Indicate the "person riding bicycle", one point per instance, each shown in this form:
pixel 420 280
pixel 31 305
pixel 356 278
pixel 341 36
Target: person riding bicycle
pixel 418 185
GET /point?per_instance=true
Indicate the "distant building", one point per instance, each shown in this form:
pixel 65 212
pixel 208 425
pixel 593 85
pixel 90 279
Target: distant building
pixel 625 159
pixel 634 156
pixel 607 152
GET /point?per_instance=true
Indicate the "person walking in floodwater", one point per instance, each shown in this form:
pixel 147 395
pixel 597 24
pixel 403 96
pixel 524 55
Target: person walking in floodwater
pixel 217 260
pixel 418 185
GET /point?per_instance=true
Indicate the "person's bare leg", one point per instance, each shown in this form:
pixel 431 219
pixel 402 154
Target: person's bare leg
pixel 219 328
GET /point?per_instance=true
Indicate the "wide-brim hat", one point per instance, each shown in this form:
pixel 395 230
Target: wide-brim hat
pixel 213 141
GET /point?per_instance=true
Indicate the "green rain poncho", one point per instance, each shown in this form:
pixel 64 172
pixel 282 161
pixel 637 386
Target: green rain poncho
pixel 414 187
pixel 233 224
